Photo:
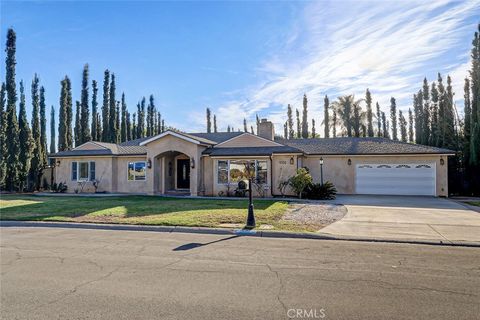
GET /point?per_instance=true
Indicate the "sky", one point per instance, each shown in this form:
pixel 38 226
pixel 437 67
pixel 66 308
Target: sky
pixel 242 58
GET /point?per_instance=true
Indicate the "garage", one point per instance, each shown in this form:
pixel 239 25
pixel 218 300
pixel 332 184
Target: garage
pixel 395 179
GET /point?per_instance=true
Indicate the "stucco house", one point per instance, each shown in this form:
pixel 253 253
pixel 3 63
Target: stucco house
pixel 211 164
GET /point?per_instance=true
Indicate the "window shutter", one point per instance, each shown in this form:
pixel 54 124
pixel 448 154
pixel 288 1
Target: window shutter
pixel 74 171
pixel 92 170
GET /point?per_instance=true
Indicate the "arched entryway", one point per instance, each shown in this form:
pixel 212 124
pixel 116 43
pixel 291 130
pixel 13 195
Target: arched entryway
pixel 172 173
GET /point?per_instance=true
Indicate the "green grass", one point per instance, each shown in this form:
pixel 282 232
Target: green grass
pixel 145 210
pixel 474 203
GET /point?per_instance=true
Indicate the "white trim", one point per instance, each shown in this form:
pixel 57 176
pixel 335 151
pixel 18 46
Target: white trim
pixel 78 171
pixel 228 170
pixel 172 133
pixel 250 134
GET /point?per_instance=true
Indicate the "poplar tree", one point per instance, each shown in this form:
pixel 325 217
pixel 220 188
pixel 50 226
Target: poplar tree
pixel 368 100
pixel 393 117
pixel 141 119
pixel 134 126
pixel 84 109
pixel 449 138
pixel 77 130
pixel 299 131
pixel 403 126
pixel 418 111
pixel 356 119
pixel 3 145
pixel 384 126
pixel 105 107
pixel 12 161
pixel 209 121
pixel 467 122
pixel 69 108
pixel 52 130
pixel 151 115
pixel 251 130
pixel 245 125
pixel 43 127
pixel 334 122
pixel 36 165
pixel 95 124
pixel 291 131
pixel 113 112
pixel 326 124
pixel 314 134
pixel 123 126
pixel 26 142
pixel 62 117
pixel 117 121
pixel 379 121
pixel 426 113
pixel 129 126
pixel 215 123
pixel 285 130
pixel 305 117
pixel 434 115
pixel 411 136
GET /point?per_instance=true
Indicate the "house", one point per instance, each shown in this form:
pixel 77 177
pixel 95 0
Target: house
pixel 211 164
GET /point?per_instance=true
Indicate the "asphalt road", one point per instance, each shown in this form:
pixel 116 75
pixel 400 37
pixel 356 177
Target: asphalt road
pixel 51 273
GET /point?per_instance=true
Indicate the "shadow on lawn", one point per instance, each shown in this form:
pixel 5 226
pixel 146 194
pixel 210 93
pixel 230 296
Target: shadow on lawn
pixel 122 207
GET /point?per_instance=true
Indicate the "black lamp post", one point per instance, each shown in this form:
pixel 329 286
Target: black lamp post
pixel 321 170
pixel 251 215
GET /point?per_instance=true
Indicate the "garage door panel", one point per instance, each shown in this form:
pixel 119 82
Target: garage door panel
pixel 401 179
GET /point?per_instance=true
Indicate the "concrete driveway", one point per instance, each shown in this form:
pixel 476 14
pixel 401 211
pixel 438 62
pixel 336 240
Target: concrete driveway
pixel 406 218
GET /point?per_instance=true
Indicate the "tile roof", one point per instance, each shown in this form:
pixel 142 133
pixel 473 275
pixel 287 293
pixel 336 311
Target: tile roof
pixel 249 151
pixel 360 146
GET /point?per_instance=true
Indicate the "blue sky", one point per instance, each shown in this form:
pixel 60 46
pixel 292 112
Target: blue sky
pixel 242 58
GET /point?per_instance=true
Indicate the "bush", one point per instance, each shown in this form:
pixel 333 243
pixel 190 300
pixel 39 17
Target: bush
pixel 59 188
pixel 317 191
pixel 300 181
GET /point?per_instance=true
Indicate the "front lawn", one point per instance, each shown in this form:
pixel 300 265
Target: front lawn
pixel 474 203
pixel 145 210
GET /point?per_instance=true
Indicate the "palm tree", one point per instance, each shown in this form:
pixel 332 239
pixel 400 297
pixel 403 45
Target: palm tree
pixel 350 114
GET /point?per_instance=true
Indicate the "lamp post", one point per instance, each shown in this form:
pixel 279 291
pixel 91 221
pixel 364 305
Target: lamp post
pixel 321 170
pixel 251 215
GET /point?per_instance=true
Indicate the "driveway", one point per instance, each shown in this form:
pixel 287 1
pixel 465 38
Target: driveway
pixel 406 218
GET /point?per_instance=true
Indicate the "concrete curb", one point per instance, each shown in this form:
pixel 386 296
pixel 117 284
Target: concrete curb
pixel 239 232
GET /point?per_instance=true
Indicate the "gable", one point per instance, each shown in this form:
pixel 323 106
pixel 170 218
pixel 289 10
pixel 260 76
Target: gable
pixel 247 140
pixel 90 146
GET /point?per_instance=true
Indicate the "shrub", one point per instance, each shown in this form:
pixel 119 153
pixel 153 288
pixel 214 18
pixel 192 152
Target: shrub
pixel 300 181
pixel 317 191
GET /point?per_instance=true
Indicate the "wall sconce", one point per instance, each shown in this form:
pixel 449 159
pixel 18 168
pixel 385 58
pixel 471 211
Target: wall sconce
pixel 349 162
pixel 442 162
pixel 192 163
pixel 149 163
pixel 58 163
pixel 292 161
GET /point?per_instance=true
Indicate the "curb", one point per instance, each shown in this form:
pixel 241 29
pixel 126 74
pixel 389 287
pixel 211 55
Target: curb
pixel 239 232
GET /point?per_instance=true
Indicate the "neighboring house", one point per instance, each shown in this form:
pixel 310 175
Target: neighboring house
pixel 212 164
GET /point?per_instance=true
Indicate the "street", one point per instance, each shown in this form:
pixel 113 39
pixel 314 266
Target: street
pixel 54 273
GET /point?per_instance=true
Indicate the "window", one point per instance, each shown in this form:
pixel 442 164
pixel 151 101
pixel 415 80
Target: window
pixel 136 171
pixel 233 171
pixel 83 171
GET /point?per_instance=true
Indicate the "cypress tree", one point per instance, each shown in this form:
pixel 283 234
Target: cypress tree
pixel 209 121
pixel 141 119
pixel 214 123
pixel 299 131
pixel 36 165
pixel 159 123
pixel 62 118
pixel 475 113
pixel 12 127
pixel 467 126
pixel 43 127
pixel 245 125
pixel 403 126
pixel 418 110
pixel 228 128
pixel 326 103
pixel 113 112
pixel 163 125
pixel 69 106
pixel 379 121
pixel 77 130
pixel 26 142
pixel 129 126
pixel 134 127
pixel 411 136
pixel 95 124
pixel 84 109
pixel 449 140
pixel 3 145
pixel 117 122
pixel 151 115
pixel 291 131
pixel 434 115
pixel 368 100
pixel 124 125
pixel 105 107
pixel 334 122
pixel 251 130
pixel 285 130
pixel 314 134
pixel 384 126
pixel 52 130
pixel 356 119
pixel 305 118
pixel 393 117
pixel 426 113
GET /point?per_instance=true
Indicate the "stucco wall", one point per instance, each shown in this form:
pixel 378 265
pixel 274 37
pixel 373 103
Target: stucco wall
pixel 121 182
pixel 282 171
pixel 103 173
pixel 342 175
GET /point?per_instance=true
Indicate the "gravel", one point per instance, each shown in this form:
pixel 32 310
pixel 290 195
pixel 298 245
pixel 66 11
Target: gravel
pixel 315 214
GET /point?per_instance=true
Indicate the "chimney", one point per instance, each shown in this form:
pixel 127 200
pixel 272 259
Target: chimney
pixel 266 129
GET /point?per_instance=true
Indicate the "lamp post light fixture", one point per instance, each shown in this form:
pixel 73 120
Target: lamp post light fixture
pixel 251 216
pixel 321 170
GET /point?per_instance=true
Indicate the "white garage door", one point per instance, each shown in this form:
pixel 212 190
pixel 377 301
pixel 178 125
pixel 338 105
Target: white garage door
pixel 401 179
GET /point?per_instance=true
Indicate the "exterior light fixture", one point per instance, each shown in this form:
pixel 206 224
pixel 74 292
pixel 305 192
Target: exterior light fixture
pixel 349 162
pixel 442 162
pixel 292 161
pixel 58 163
pixel 149 163
pixel 321 170
pixel 192 163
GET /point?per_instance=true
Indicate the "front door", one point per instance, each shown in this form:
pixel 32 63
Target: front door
pixel 183 174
